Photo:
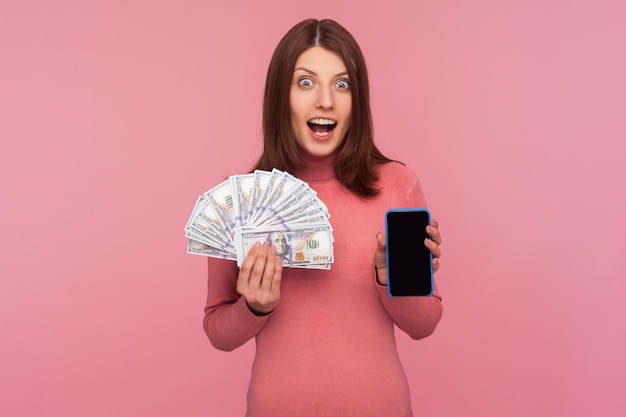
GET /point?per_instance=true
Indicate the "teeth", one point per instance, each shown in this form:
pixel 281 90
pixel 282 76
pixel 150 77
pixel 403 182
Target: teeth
pixel 322 122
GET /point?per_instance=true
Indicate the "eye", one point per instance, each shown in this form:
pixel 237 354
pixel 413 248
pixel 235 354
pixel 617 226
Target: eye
pixel 305 82
pixel 343 84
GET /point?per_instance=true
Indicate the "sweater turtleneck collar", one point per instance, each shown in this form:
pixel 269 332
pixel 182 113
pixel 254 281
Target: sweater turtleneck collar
pixel 318 168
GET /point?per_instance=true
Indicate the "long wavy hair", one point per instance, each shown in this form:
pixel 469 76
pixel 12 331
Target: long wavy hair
pixel 357 156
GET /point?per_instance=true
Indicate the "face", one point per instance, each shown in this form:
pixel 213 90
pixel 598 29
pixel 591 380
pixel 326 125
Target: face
pixel 321 102
pixel 278 240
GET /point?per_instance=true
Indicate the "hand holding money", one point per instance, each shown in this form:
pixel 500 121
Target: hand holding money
pixel 259 278
pixel 249 210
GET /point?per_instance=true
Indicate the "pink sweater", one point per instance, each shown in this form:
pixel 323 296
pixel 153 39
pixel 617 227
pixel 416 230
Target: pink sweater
pixel 328 349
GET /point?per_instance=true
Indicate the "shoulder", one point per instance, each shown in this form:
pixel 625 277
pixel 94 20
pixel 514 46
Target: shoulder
pixel 396 173
pixel 400 186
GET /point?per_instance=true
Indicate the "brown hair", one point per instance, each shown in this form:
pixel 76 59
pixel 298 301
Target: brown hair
pixel 357 155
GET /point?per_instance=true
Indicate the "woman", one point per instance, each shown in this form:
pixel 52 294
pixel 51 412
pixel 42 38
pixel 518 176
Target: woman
pixel 325 342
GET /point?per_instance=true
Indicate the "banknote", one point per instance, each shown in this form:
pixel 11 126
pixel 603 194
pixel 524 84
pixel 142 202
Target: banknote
pixel 302 246
pixel 221 200
pixel 261 180
pixel 200 248
pixel 202 229
pixel 207 212
pixel 241 187
pixel 264 206
pixel 287 197
pixel 280 187
pixel 261 203
pixel 307 208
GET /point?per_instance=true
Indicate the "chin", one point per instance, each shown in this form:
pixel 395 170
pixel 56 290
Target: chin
pixel 320 152
pixel 320 149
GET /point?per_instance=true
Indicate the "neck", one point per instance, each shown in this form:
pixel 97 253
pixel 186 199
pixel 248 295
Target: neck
pixel 318 168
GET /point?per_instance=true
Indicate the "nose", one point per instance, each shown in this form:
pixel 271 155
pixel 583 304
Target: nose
pixel 324 98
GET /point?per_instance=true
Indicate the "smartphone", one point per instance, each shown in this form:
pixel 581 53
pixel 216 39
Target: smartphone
pixel 409 261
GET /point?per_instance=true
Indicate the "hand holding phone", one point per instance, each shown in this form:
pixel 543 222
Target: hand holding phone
pixel 409 261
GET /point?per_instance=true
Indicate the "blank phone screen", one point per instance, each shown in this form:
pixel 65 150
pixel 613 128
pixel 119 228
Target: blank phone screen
pixel 409 267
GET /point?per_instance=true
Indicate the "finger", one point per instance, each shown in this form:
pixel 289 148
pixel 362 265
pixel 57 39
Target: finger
pixel 433 247
pixel 433 231
pixel 277 279
pixel 243 280
pixel 256 275
pixel 435 264
pixel 268 271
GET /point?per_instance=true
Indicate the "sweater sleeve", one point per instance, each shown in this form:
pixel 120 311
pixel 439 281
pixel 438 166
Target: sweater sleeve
pixel 417 316
pixel 228 322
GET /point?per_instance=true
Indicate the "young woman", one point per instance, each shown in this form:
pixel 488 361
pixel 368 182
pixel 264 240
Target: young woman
pixel 325 342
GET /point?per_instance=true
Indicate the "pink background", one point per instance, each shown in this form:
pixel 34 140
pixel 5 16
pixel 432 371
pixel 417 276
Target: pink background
pixel 115 115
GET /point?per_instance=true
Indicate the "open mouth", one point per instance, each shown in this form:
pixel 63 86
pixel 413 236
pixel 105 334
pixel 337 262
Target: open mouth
pixel 321 127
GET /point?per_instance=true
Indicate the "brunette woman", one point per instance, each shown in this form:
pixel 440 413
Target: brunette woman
pixel 325 342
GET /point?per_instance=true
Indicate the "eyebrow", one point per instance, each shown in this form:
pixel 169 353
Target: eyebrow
pixel 341 74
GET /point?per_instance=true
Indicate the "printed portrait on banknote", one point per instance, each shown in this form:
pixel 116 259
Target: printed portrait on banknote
pixel 279 241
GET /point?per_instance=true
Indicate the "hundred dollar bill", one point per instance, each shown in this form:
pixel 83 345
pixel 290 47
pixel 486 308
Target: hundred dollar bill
pixel 201 231
pixel 284 183
pixel 198 248
pixel 199 226
pixel 241 187
pixel 221 199
pixel 210 242
pixel 261 180
pixel 200 202
pixel 275 177
pixel 206 212
pixel 311 266
pixel 313 219
pixel 297 201
pixel 289 195
pixel 304 209
pixel 308 245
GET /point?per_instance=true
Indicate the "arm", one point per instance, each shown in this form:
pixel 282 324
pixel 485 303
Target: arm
pixel 417 316
pixel 240 301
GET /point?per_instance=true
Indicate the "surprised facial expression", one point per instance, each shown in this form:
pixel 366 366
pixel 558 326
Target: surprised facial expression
pixel 321 101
